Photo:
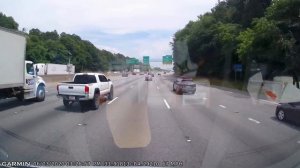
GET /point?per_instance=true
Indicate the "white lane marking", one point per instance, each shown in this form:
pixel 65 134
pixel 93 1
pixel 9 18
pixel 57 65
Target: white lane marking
pixel 298 142
pixel 46 91
pixel 166 103
pixel 253 120
pixel 267 101
pixel 157 87
pixel 112 100
pixel 204 98
pixel 222 106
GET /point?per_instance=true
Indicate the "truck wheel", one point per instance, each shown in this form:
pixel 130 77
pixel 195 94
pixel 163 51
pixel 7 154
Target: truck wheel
pixel 67 103
pixel 111 94
pixel 40 93
pixel 96 101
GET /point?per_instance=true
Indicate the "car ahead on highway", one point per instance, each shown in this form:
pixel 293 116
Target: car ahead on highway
pixel 288 111
pixel 86 87
pixel 148 78
pixel 124 74
pixel 133 73
pixel 184 85
pixel 152 74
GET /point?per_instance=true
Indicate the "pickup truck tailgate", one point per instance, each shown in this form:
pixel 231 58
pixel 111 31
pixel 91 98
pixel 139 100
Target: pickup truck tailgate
pixel 71 89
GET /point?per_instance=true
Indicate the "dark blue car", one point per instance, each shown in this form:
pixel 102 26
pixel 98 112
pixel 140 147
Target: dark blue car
pixel 288 111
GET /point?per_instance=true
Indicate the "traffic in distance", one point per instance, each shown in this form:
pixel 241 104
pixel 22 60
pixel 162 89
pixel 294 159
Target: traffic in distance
pixel 128 86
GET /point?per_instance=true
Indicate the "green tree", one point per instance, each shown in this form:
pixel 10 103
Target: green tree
pixel 8 22
pixel 286 15
pixel 226 35
pixel 246 10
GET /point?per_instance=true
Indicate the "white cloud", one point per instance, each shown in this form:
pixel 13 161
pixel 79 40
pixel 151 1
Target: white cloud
pixel 108 48
pixel 116 17
pixel 155 48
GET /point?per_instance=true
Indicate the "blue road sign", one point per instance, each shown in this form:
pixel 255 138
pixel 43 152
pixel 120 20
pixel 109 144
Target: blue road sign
pixel 238 67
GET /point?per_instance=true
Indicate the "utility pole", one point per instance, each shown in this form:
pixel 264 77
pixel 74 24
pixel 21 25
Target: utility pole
pixel 69 64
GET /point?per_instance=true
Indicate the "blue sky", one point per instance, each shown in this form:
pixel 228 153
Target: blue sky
pixel 131 27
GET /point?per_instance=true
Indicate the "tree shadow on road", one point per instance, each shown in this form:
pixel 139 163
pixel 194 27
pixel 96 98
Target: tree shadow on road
pixel 12 103
pixel 74 108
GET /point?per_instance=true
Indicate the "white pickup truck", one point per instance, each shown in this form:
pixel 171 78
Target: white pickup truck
pixel 86 87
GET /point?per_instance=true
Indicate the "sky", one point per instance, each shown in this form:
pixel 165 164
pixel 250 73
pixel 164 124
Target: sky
pixel 134 28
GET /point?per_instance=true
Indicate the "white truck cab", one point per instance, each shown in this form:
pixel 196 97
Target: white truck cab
pixel 34 86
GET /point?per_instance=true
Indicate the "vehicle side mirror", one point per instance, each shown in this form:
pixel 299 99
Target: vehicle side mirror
pixel 108 79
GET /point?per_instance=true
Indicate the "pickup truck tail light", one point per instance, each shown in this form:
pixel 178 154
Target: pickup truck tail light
pixel 86 89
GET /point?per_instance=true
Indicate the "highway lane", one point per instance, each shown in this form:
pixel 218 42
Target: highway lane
pixel 241 132
pixel 148 122
pixel 39 124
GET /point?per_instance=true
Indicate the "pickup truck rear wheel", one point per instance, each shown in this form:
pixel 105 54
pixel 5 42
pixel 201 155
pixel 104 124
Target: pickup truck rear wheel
pixel 111 94
pixel 96 101
pixel 67 103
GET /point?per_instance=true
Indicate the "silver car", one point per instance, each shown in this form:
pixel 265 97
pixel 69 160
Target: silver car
pixel 148 78
pixel 184 86
pixel 124 74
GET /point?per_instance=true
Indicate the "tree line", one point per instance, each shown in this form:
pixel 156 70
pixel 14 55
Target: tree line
pixel 259 34
pixel 51 47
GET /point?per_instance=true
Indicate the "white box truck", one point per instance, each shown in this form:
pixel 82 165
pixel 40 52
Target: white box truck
pixel 41 67
pixel 18 77
pixel 136 70
pixel 55 69
pixel 59 69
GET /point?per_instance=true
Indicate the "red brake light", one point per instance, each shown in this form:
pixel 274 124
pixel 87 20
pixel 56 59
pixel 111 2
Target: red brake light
pixel 86 89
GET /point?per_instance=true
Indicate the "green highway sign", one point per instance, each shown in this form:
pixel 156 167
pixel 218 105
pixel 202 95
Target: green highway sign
pixel 136 61
pixel 146 60
pixel 132 61
pixel 167 59
pixel 128 61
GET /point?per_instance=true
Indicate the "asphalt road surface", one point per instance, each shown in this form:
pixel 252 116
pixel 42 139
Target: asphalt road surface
pixel 148 124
